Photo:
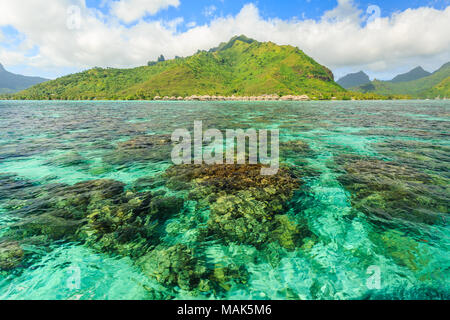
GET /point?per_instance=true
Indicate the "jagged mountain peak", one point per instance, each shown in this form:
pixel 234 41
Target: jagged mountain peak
pixel 229 44
pixel 414 74
pixel 10 82
pixel 354 80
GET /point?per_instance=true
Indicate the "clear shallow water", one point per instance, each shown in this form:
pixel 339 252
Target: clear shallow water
pixel 373 193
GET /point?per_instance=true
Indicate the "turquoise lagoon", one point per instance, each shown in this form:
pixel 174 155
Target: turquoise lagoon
pixel 364 217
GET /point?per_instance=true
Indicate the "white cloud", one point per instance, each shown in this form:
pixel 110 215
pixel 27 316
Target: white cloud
pixel 132 10
pixel 345 11
pixel 340 40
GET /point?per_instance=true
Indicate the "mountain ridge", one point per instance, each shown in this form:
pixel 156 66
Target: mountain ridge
pixel 435 85
pixel 241 67
pixel 11 82
pixel 414 74
pixel 353 80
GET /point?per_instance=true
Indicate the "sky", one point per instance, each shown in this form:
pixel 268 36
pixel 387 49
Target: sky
pixel 53 38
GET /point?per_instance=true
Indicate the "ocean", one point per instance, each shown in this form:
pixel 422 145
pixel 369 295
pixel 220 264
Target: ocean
pixel 92 207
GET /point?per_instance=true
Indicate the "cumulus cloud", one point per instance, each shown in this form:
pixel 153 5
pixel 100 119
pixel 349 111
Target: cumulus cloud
pixel 132 10
pixel 341 39
pixel 345 11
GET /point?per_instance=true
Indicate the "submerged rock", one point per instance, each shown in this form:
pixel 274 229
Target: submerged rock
pixel 146 183
pixel 11 255
pixel 131 227
pixel 243 203
pixel 404 250
pixel 183 267
pixel 100 213
pixel 72 158
pixel 237 219
pixel 48 224
pixel 419 155
pixel 295 149
pixel 77 199
pixel 174 266
pixel 141 148
pixel 230 179
pixel 289 234
pixel 11 186
pixel 393 191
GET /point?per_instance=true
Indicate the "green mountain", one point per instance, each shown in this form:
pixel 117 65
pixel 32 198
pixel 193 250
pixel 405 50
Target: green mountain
pixel 10 82
pixel 354 80
pixel 414 74
pixel 435 85
pixel 241 67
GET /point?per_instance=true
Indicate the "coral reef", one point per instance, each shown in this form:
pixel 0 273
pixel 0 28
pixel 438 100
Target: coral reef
pixel 404 250
pixel 139 149
pixel 390 190
pixel 422 156
pixel 71 158
pixel 295 149
pixel 11 255
pixel 183 267
pixel 175 265
pixel 243 204
pixel 100 213
pixel 131 227
pixel 244 207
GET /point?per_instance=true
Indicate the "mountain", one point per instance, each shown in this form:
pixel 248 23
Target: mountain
pixel 414 74
pixel 10 82
pixel 241 67
pixel 354 80
pixel 434 85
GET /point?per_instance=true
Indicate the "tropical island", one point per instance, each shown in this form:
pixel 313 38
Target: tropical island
pixel 417 83
pixel 241 69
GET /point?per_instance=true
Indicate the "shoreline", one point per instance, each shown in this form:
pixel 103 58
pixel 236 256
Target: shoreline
pixel 266 97
pixel 262 98
pixel 217 100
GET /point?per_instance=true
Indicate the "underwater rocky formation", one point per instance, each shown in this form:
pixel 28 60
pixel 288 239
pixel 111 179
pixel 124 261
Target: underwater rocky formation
pixel 394 191
pixel 183 267
pixel 86 185
pixel 422 156
pixel 245 207
pixel 11 255
pixel 98 212
pixel 139 149
pixel 402 249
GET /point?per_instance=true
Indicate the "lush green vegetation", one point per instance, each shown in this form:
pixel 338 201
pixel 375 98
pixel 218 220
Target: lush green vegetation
pixel 241 67
pixel 435 85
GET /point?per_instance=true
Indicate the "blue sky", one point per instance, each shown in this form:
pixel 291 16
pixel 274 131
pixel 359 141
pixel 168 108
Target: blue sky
pixel 194 10
pixel 110 35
